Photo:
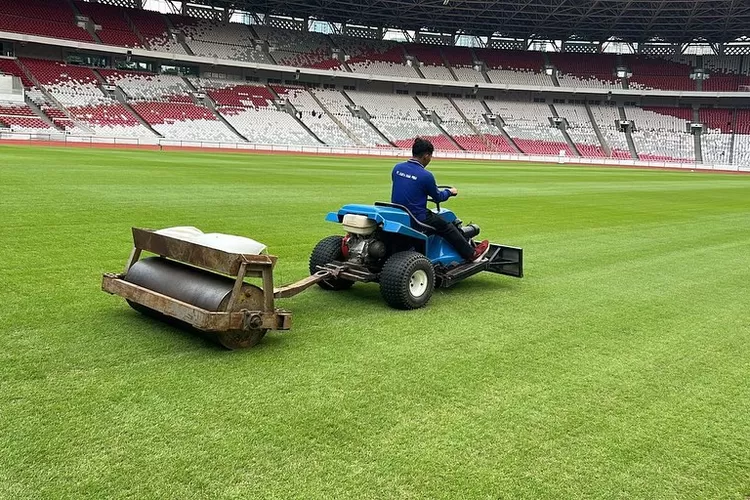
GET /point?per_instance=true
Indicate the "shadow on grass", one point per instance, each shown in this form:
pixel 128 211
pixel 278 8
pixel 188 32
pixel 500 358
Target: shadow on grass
pixel 149 327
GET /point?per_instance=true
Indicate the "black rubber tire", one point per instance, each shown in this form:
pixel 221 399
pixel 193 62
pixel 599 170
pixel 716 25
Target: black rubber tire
pixel 326 251
pixel 396 275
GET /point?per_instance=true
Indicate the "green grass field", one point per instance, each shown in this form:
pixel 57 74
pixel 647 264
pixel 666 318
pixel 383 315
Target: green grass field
pixel 617 368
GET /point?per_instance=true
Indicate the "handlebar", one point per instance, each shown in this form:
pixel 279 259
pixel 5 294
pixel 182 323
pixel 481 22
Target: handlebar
pixel 437 203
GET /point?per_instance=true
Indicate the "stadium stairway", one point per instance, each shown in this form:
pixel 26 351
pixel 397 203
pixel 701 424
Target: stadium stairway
pixel 210 104
pixel 335 120
pixel 731 144
pixel 697 137
pixel 571 144
pixel 628 135
pixel 289 108
pixel 135 30
pixel 487 142
pixel 181 39
pixel 421 106
pixel 448 65
pixel 40 114
pixel 597 130
pixel 499 125
pixel 369 122
pixel 89 25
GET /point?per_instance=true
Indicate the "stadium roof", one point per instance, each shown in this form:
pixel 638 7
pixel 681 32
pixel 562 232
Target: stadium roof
pixel 677 21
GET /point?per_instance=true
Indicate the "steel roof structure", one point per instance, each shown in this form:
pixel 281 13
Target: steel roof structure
pixel 674 21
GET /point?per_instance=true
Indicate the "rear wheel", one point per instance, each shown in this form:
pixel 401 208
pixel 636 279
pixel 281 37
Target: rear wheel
pixel 326 251
pixel 240 339
pixel 407 280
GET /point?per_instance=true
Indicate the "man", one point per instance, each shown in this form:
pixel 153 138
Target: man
pixel 413 183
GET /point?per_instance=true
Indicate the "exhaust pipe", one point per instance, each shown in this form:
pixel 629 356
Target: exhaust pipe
pixel 470 231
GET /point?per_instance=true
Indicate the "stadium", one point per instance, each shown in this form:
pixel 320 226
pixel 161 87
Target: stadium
pixel 603 145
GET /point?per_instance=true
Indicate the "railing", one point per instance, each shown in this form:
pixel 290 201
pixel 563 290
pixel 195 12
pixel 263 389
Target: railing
pixel 156 143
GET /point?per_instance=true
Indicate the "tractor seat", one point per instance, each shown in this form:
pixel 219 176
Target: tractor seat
pixel 415 223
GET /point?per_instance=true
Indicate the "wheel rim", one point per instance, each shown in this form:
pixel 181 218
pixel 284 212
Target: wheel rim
pixel 418 283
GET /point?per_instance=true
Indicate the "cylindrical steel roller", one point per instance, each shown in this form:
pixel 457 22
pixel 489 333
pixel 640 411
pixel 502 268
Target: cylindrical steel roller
pixel 188 284
pixel 199 288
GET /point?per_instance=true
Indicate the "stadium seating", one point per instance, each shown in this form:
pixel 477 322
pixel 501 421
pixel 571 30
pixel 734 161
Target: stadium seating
pixel 298 48
pixel 43 18
pixel 249 109
pixel 580 130
pixel 606 118
pixel 221 40
pixel 454 124
pixel 397 117
pixel 660 136
pixel 183 121
pixel 19 117
pixel 154 30
pixel 586 70
pixel 149 86
pixel 657 73
pixel 337 104
pixel 527 123
pixel 432 65
pixel 314 116
pixel 515 67
pixel 115 29
pixel 376 57
pixel 10 67
pixel 462 61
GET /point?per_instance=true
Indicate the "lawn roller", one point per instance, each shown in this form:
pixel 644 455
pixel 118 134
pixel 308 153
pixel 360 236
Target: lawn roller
pixel 198 281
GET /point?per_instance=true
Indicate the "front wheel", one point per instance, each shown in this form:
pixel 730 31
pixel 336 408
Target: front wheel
pixel 326 251
pixel 407 280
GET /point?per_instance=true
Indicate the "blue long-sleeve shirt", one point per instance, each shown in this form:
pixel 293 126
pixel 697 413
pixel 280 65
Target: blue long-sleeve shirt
pixel 412 184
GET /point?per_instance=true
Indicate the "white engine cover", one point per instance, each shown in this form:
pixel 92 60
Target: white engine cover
pixel 358 224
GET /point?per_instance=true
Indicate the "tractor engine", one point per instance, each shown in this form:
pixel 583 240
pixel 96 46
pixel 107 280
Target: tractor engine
pixel 361 244
pixel 363 250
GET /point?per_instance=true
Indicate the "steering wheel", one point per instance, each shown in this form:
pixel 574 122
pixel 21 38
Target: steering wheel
pixel 437 203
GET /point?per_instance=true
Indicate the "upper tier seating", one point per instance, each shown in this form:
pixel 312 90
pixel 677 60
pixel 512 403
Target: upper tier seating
pixel 515 67
pixel 298 48
pixel 41 17
pixel 221 40
pixel 153 27
pixel 462 61
pixel 375 56
pixel 658 73
pixel 432 65
pixel 586 70
pixel 115 29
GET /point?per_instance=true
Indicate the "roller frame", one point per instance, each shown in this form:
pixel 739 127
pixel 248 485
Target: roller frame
pixel 236 265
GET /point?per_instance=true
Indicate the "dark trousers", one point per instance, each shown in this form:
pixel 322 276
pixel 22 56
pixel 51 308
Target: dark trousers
pixel 451 234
